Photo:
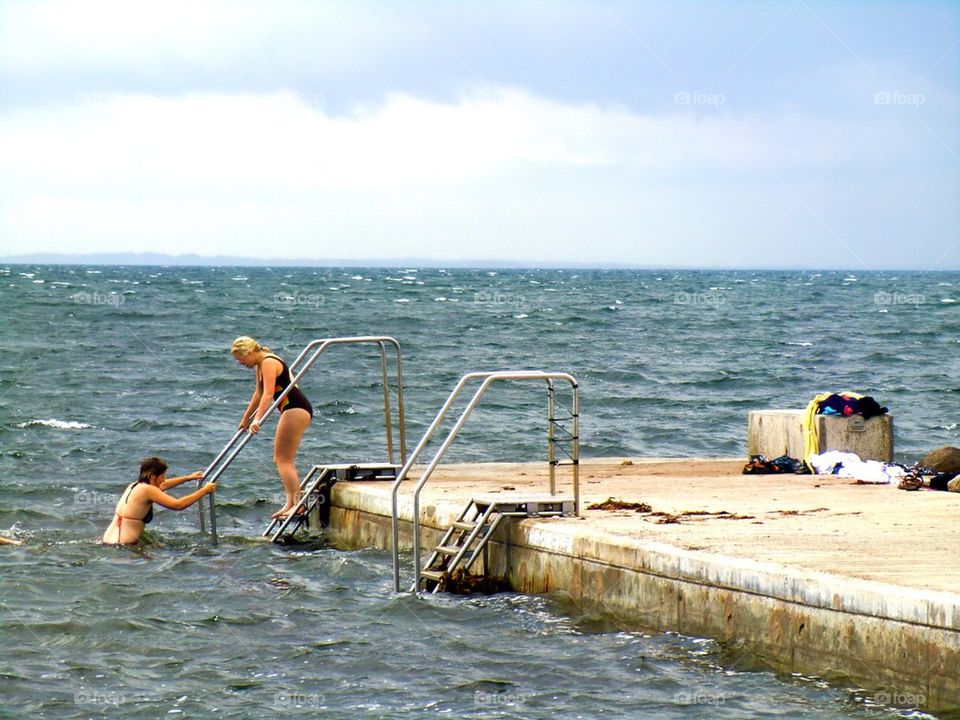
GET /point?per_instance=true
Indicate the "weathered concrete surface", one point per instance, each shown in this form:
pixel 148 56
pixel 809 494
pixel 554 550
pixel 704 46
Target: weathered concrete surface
pixel 810 574
pixel 773 433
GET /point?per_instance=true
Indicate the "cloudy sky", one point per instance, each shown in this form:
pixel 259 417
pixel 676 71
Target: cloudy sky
pixel 674 133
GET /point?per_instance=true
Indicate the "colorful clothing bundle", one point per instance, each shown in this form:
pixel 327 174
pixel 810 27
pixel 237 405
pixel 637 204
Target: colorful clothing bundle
pixel 828 403
pixel 846 405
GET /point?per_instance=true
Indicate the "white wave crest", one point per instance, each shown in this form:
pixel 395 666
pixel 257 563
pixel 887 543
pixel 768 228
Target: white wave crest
pixel 54 423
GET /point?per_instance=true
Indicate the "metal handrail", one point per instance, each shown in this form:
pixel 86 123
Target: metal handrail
pixel 488 378
pixel 232 448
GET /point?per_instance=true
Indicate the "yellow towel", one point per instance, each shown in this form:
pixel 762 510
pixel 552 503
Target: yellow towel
pixel 811 438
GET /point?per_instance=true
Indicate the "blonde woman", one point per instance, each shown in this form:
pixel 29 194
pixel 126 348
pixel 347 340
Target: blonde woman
pixel 134 510
pixel 296 412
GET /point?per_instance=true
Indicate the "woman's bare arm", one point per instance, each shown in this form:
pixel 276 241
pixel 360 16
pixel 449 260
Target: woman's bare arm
pixel 268 374
pixel 254 402
pixel 155 494
pixel 173 482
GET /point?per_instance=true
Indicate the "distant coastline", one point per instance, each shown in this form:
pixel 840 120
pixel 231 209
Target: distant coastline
pixel 194 260
pixel 238 261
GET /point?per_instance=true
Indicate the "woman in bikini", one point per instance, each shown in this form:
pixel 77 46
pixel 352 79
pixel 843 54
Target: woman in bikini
pixel 135 508
pixel 272 378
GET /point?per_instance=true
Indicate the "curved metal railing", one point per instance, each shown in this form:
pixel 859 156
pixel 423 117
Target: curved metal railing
pixel 314 349
pixel 488 378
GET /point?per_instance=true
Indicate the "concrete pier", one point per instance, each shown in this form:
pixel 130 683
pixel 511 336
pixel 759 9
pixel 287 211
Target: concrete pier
pixel 817 575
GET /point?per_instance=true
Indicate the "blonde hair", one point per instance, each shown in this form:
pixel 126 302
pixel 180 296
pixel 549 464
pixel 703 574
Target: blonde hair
pixel 244 345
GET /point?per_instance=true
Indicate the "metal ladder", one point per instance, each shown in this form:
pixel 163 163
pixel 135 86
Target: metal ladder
pixel 315 496
pixel 466 539
pixel 314 349
pixel 486 378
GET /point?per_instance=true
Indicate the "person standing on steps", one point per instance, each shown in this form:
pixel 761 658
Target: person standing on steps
pixel 296 412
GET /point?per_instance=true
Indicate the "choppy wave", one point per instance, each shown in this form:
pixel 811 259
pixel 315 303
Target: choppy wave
pixel 54 423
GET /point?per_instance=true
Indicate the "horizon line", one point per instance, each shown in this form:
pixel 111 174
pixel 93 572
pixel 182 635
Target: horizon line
pixel 196 260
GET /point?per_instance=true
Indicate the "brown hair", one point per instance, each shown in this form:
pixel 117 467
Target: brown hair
pixel 151 467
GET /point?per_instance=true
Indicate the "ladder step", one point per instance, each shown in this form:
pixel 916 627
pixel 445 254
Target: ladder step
pixel 461 525
pixel 435 575
pixel 448 549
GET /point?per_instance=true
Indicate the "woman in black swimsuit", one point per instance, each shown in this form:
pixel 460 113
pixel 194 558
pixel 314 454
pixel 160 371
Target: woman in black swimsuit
pixel 135 508
pixel 272 378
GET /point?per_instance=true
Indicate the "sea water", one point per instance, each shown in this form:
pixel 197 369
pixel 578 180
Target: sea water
pixel 102 366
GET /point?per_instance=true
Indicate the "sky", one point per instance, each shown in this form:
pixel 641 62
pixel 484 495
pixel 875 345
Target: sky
pixel 730 134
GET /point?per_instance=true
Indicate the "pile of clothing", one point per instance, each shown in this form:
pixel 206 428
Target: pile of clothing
pixel 847 464
pixel 845 404
pixel 848 404
pixel 759 465
pixel 938 470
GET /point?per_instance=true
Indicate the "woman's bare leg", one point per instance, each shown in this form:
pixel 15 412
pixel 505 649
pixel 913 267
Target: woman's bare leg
pixel 290 429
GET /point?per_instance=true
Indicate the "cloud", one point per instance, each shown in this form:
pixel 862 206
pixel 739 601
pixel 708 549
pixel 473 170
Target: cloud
pixel 284 138
pixel 496 167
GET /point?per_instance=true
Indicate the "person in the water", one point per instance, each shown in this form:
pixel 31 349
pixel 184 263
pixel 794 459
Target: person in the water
pixel 296 412
pixel 135 508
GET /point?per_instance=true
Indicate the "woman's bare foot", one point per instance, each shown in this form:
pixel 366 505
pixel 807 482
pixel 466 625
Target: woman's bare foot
pixel 285 510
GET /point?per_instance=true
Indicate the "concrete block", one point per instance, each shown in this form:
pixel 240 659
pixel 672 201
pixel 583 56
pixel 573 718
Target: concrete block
pixel 773 433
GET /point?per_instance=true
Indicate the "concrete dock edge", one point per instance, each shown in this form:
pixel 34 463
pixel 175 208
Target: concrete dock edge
pixel 894 641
